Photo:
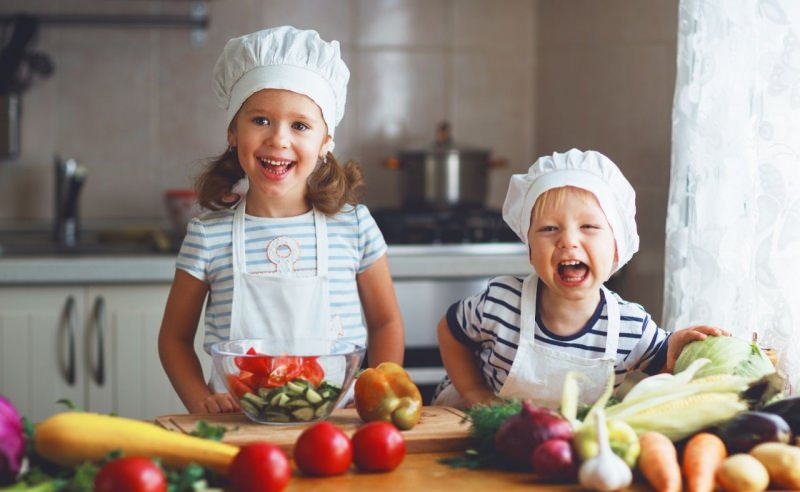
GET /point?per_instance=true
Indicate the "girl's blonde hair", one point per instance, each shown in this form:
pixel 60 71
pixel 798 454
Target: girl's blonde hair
pixel 330 186
pixel 554 197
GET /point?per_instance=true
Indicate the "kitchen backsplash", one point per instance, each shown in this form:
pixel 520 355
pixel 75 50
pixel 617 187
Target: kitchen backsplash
pixel 519 77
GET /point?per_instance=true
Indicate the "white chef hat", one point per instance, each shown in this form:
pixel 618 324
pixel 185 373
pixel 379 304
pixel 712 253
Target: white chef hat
pixel 589 170
pixel 283 58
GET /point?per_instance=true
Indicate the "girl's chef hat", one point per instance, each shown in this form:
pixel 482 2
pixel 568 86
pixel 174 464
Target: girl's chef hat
pixel 283 58
pixel 589 170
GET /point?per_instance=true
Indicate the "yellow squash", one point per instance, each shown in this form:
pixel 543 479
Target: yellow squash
pixel 70 438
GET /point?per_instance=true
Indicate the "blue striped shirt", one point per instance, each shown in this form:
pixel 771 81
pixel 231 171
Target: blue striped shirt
pixel 354 243
pixel 489 323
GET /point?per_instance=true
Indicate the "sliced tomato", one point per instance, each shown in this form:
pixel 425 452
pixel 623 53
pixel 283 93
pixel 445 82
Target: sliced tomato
pixel 238 387
pixel 256 363
pixel 312 371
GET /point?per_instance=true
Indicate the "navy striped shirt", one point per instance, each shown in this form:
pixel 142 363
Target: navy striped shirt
pixel 489 323
pixel 354 243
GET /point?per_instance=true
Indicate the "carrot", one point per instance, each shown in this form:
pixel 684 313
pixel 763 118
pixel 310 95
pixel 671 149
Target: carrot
pixel 702 457
pixel 658 462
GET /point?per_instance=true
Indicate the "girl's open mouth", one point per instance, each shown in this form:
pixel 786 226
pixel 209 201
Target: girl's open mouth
pixel 276 168
pixel 572 271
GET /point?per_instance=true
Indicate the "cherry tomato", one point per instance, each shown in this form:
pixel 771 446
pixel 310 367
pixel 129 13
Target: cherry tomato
pixel 131 474
pixel 378 447
pixel 323 450
pixel 259 467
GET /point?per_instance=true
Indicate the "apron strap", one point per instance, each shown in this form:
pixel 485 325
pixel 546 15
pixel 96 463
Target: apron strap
pixel 612 337
pixel 239 260
pixel 321 232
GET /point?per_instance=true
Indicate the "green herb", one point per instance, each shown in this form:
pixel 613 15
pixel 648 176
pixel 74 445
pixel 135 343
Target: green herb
pixel 485 420
pixel 208 431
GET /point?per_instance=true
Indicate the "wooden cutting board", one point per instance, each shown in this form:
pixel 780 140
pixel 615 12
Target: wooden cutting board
pixel 439 429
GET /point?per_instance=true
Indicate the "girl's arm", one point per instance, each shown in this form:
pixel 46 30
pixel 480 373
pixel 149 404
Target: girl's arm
pixel 176 347
pixel 384 323
pixel 459 360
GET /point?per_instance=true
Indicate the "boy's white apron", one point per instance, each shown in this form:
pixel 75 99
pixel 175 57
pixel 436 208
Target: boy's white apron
pixel 538 372
pixel 275 306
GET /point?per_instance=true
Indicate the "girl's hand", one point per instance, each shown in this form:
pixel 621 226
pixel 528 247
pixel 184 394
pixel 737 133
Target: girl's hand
pixel 681 337
pixel 217 403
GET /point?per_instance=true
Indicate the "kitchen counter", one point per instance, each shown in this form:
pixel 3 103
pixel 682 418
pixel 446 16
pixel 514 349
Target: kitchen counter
pixel 456 261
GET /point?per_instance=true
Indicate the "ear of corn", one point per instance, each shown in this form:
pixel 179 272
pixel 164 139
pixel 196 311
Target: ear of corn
pixel 678 405
pixel 675 405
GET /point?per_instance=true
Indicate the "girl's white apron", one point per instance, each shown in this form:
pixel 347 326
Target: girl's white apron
pixel 277 306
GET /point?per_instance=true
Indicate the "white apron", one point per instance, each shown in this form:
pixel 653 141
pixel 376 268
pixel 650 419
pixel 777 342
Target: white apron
pixel 277 306
pixel 538 372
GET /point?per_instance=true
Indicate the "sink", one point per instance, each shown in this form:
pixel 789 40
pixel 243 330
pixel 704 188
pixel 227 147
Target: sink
pixel 105 243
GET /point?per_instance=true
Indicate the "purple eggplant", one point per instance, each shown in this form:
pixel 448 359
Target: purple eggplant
pixel 748 429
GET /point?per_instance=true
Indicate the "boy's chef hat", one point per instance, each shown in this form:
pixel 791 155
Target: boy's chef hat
pixel 589 170
pixel 283 58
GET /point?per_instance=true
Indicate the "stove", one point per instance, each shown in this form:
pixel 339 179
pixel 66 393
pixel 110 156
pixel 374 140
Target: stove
pixel 458 226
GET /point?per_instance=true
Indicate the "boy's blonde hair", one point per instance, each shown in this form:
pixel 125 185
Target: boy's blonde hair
pixel 554 197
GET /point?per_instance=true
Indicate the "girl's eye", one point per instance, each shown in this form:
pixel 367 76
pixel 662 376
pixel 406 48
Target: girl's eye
pixel 547 228
pixel 300 126
pixel 260 120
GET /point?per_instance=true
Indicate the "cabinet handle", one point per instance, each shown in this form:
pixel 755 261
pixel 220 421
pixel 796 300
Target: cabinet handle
pixel 99 315
pixel 71 316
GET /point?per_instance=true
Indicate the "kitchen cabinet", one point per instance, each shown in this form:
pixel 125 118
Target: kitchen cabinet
pixel 93 344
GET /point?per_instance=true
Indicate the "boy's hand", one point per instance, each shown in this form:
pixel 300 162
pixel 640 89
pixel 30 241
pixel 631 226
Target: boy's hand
pixel 681 337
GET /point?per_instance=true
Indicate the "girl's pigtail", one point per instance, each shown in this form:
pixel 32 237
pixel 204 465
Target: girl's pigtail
pixel 218 179
pixel 331 186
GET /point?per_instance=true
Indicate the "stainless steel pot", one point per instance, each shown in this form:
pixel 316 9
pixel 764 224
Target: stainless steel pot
pixel 444 176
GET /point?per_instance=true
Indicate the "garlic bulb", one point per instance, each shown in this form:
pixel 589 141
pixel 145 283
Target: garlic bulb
pixel 606 471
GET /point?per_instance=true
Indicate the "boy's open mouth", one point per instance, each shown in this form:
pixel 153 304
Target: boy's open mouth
pixel 572 271
pixel 275 167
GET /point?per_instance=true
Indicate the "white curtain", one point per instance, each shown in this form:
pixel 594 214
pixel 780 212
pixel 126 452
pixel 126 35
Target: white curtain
pixel 733 217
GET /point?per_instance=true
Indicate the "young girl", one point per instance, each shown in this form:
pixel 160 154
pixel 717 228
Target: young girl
pixel 296 257
pixel 520 337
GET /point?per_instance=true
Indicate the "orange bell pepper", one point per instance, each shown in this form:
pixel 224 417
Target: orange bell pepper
pixel 387 393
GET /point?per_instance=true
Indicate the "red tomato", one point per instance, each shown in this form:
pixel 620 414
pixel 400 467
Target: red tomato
pixel 259 467
pixel 132 474
pixel 324 450
pixel 378 447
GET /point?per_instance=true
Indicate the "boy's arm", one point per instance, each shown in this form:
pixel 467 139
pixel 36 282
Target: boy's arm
pixel 462 367
pixel 680 338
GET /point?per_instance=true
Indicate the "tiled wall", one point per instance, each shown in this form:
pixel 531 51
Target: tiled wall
pixel 519 77
pixel 135 104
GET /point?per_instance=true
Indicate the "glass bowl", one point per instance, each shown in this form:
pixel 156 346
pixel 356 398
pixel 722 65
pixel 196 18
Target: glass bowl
pixel 287 381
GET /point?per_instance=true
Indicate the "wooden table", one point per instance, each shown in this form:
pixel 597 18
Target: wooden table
pixel 423 472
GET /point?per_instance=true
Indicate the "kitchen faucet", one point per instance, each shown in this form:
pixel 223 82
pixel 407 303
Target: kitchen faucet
pixel 69 178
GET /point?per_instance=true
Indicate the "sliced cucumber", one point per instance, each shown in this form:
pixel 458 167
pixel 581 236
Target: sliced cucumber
pixel 305 413
pixel 296 401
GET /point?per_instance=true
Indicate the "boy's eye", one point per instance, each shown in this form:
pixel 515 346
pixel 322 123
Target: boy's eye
pixel 260 120
pixel 547 228
pixel 300 126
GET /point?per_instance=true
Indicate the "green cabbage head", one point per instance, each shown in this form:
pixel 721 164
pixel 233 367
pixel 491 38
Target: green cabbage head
pixel 728 355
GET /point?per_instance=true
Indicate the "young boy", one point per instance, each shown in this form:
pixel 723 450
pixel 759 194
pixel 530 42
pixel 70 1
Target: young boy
pixel 519 338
